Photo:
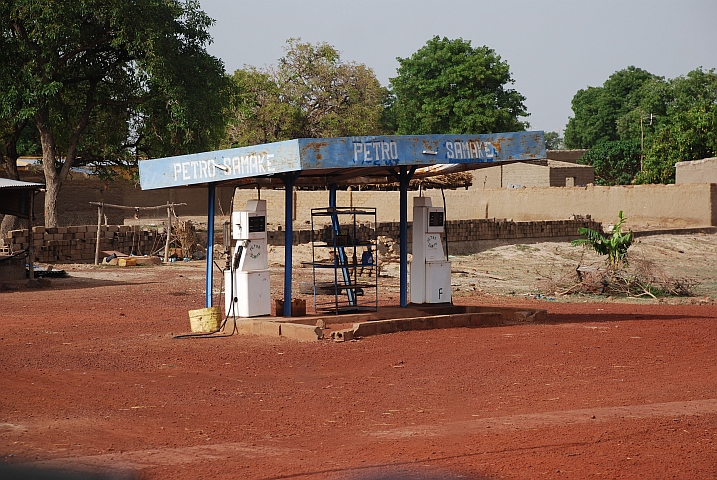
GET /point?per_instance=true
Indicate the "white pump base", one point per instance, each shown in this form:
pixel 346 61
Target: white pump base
pixel 253 290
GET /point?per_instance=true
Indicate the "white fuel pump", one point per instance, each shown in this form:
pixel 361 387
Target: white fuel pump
pixel 430 269
pixel 246 281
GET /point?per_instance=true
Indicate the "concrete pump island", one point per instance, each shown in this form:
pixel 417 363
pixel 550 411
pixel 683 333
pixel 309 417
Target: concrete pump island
pixel 346 280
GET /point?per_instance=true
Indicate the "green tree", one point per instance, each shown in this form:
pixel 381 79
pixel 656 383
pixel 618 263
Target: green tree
pixel 599 110
pixel 687 131
pixel 553 141
pixel 101 76
pixel 615 162
pixel 310 93
pixel 258 113
pixel 448 86
pixel 16 139
pixel 646 112
pixel 672 121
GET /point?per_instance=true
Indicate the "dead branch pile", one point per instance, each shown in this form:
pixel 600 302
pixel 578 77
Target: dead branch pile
pixel 448 181
pixel 186 235
pixel 642 278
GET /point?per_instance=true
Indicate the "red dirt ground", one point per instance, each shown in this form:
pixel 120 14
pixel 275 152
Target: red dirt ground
pixel 92 380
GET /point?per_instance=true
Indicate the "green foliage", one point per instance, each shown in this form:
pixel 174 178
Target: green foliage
pixel 448 86
pixel 598 110
pixel 673 120
pixel 311 93
pixel 688 130
pixel 553 141
pixel 615 246
pixel 109 80
pixel 16 139
pixel 258 113
pixel 646 113
pixel 615 162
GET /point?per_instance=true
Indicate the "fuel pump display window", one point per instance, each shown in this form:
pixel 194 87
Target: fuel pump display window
pixel 435 219
pixel 257 224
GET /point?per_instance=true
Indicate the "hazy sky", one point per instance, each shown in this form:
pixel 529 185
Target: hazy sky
pixel 554 47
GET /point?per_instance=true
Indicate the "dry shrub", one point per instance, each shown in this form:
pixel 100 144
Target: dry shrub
pixel 555 282
pixel 641 278
pixel 659 282
pixel 186 235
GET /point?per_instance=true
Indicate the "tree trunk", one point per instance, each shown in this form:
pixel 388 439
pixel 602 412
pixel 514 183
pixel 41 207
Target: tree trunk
pixel 54 176
pixel 9 161
pixel 9 222
pixel 53 182
pixel 52 189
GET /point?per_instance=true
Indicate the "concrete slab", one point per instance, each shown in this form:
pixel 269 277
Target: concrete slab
pixel 380 327
pixel 302 333
pixel 12 268
pixel 266 327
pixel 243 326
pixel 385 320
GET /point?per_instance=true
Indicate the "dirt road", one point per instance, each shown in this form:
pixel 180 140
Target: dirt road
pixel 92 380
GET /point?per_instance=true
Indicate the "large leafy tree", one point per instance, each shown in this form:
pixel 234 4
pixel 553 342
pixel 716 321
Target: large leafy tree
pixel 671 121
pixel 310 93
pixel 260 112
pixel 103 78
pixel 687 130
pixel 448 86
pixel 16 139
pixel 600 111
pixel 616 162
pixel 553 141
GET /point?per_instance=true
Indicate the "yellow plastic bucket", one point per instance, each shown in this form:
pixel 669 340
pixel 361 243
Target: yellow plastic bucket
pixel 205 320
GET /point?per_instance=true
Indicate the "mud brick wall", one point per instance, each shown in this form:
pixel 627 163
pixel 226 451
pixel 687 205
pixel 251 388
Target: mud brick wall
pixel 696 171
pixel 500 229
pixel 684 205
pixel 645 206
pixel 76 244
pixel 459 230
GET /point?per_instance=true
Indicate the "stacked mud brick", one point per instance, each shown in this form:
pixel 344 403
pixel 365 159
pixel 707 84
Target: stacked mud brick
pixel 300 236
pixel 497 229
pixel 77 244
pixel 501 229
pixel 459 230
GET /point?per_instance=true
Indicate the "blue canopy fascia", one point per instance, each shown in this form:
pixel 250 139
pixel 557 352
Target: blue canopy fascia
pixel 343 157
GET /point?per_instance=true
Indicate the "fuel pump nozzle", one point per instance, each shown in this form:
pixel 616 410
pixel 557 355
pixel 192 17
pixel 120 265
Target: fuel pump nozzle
pixel 238 251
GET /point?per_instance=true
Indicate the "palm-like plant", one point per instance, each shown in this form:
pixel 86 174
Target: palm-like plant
pixel 615 246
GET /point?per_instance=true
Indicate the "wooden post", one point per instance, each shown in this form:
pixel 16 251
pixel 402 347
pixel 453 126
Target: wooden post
pixel 99 229
pixel 31 238
pixel 169 232
pixel 100 213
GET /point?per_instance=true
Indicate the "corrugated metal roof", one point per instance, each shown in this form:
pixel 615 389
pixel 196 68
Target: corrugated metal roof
pixel 9 183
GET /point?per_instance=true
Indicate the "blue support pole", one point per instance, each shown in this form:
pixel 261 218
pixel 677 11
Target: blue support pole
pixel 342 258
pixel 210 243
pixel 403 280
pixel 404 176
pixel 289 179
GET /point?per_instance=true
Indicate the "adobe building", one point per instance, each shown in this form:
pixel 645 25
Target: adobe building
pixel 559 169
pixel 696 171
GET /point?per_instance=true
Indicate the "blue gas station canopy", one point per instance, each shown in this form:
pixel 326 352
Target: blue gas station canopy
pixel 332 162
pixel 326 161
